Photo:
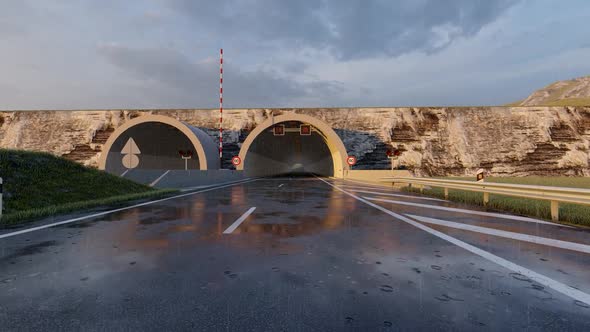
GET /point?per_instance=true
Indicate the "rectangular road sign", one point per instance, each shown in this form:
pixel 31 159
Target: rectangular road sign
pixel 305 130
pixel 279 130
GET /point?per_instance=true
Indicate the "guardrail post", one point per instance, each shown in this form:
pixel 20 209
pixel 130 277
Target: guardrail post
pixel 422 189
pixel 486 199
pixel 446 193
pixel 555 210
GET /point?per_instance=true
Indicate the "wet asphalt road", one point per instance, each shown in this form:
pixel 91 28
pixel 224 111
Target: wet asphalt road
pixel 310 257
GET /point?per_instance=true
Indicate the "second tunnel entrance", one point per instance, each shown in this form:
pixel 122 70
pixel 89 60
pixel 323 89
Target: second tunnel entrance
pixel 293 144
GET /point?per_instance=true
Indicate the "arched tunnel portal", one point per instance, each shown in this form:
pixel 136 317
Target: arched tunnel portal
pixel 300 144
pixel 155 142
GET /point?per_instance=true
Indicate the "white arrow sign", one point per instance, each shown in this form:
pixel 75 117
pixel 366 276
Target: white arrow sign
pixel 130 152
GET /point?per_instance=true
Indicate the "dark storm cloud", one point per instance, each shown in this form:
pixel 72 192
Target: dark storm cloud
pixel 169 75
pixel 350 29
pixel 281 53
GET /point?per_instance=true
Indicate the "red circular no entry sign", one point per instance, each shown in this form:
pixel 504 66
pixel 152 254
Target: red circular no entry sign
pixel 236 160
pixel 351 160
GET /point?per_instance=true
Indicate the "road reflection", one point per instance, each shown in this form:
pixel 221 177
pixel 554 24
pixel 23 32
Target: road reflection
pixel 300 210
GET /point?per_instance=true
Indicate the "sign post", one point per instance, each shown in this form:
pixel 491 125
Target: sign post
pixel 236 160
pixel 220 105
pixel 186 155
pixel 393 156
pixel 351 160
pixel 480 178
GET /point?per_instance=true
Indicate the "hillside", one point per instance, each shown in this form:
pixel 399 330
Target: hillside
pixel 43 183
pixel 575 92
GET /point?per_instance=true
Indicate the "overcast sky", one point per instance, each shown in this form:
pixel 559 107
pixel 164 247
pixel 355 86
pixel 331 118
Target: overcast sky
pixel 61 54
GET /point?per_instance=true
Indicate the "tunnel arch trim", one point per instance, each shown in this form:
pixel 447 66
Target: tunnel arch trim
pixel 333 141
pixel 201 141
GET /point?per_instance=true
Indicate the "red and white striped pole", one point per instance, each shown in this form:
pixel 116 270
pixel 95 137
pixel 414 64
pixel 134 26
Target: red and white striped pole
pixel 220 103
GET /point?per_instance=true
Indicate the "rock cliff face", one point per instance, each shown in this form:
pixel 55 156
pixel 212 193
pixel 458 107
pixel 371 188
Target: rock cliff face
pixel 506 141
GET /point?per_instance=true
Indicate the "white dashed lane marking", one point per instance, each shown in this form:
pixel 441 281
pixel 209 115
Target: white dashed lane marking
pixel 239 221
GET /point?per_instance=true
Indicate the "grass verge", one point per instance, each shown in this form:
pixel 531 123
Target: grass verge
pixel 35 180
pixel 32 214
pixel 568 213
pixel 38 184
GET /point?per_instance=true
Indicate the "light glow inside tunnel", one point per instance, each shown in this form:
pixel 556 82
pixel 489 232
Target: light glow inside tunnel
pixel 289 152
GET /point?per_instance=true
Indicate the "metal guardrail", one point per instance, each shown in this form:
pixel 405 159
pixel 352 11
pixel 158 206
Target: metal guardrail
pixel 555 195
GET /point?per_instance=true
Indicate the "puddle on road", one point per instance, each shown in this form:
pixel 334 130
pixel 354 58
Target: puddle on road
pixel 33 249
pixel 82 224
pixel 386 288
pixel 447 298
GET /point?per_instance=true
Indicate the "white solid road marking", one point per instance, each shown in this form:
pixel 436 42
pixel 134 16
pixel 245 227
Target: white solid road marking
pixel 24 231
pixel 366 187
pixel 505 234
pixel 479 213
pixel 368 184
pixel 397 195
pixel 544 280
pixel 239 221
pixel 212 185
pixel 123 174
pixel 159 178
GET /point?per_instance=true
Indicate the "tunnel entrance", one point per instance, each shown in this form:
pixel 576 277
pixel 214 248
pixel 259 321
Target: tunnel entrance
pixel 158 143
pixel 289 152
pixel 155 146
pixel 294 145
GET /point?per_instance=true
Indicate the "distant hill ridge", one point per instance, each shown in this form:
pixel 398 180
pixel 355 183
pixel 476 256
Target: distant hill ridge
pixel 575 92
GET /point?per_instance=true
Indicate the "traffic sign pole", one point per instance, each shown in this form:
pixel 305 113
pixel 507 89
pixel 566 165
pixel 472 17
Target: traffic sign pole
pixel 236 160
pixel 351 160
pixel 220 105
pixel 186 155
pixel 393 155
